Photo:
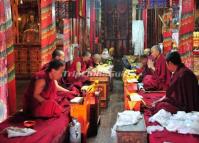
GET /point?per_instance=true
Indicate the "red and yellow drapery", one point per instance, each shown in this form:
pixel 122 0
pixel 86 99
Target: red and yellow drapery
pixel 7 71
pixel 48 30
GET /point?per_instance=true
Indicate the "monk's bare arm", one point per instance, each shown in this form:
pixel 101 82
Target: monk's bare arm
pixel 39 86
pixel 78 68
pixel 159 100
pixel 150 65
pixel 59 88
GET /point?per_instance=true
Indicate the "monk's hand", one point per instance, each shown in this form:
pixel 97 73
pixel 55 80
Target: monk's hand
pixel 74 93
pixel 150 64
pixel 90 69
pixel 155 103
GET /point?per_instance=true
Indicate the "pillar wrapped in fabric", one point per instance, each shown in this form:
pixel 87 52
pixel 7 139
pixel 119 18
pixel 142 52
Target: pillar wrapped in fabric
pixel 67 37
pixel 186 32
pixel 48 30
pixel 7 74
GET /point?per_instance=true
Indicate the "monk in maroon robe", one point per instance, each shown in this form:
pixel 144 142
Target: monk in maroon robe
pixel 183 92
pixel 143 70
pixel 78 69
pixel 59 55
pixel 160 76
pixel 40 99
pixel 94 61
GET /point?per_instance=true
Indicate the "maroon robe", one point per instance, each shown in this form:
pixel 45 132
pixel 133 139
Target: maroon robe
pixel 183 92
pixel 72 72
pixel 160 78
pixel 90 63
pixel 49 107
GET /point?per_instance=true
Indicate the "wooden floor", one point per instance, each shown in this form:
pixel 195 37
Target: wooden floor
pixel 109 115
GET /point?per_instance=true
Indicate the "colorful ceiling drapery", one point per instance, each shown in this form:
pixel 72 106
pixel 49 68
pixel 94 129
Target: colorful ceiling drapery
pixel 7 72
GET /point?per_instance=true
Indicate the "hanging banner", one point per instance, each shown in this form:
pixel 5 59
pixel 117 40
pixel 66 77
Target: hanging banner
pixel 158 3
pixel 82 8
pixel 67 39
pixel 186 32
pixel 93 23
pixel 7 74
pixel 48 30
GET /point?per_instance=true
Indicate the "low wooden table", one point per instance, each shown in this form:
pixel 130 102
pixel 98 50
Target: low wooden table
pixel 88 114
pixel 132 133
pixel 128 88
pixel 103 85
pixel 82 113
pixel 94 115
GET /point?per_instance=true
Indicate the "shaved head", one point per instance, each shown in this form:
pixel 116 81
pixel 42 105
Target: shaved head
pixel 58 55
pixel 156 51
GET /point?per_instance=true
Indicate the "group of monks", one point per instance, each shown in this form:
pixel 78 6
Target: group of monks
pixel 169 74
pixel 45 97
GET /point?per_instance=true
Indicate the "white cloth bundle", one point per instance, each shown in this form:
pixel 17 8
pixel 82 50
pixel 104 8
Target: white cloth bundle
pixel 161 117
pixel 19 132
pixel 126 118
pixel 181 122
pixel 151 129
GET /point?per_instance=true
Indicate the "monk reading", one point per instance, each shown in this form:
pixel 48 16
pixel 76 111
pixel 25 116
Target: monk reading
pixel 160 77
pixel 78 69
pixel 40 99
pixel 183 92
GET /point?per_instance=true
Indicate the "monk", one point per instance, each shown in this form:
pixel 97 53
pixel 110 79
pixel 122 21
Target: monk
pixel 183 92
pixel 94 61
pixel 78 69
pixel 40 99
pixel 56 55
pixel 143 70
pixel 160 77
pixel 59 55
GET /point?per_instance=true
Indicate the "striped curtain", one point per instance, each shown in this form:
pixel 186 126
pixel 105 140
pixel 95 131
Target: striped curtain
pixel 186 32
pixel 7 72
pixel 92 22
pixel 48 30
pixel 67 38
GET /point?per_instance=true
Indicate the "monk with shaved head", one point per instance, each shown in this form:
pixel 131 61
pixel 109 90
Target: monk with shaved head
pixel 160 76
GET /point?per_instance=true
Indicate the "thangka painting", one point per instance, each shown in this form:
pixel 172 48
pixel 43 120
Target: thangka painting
pixel 117 17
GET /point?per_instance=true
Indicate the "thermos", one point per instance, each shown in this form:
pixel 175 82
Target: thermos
pixel 75 131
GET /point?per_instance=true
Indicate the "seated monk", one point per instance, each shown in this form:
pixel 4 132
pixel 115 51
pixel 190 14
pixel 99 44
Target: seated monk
pixel 183 92
pixel 56 55
pixel 160 76
pixel 78 69
pixel 59 55
pixel 94 61
pixel 143 70
pixel 40 99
